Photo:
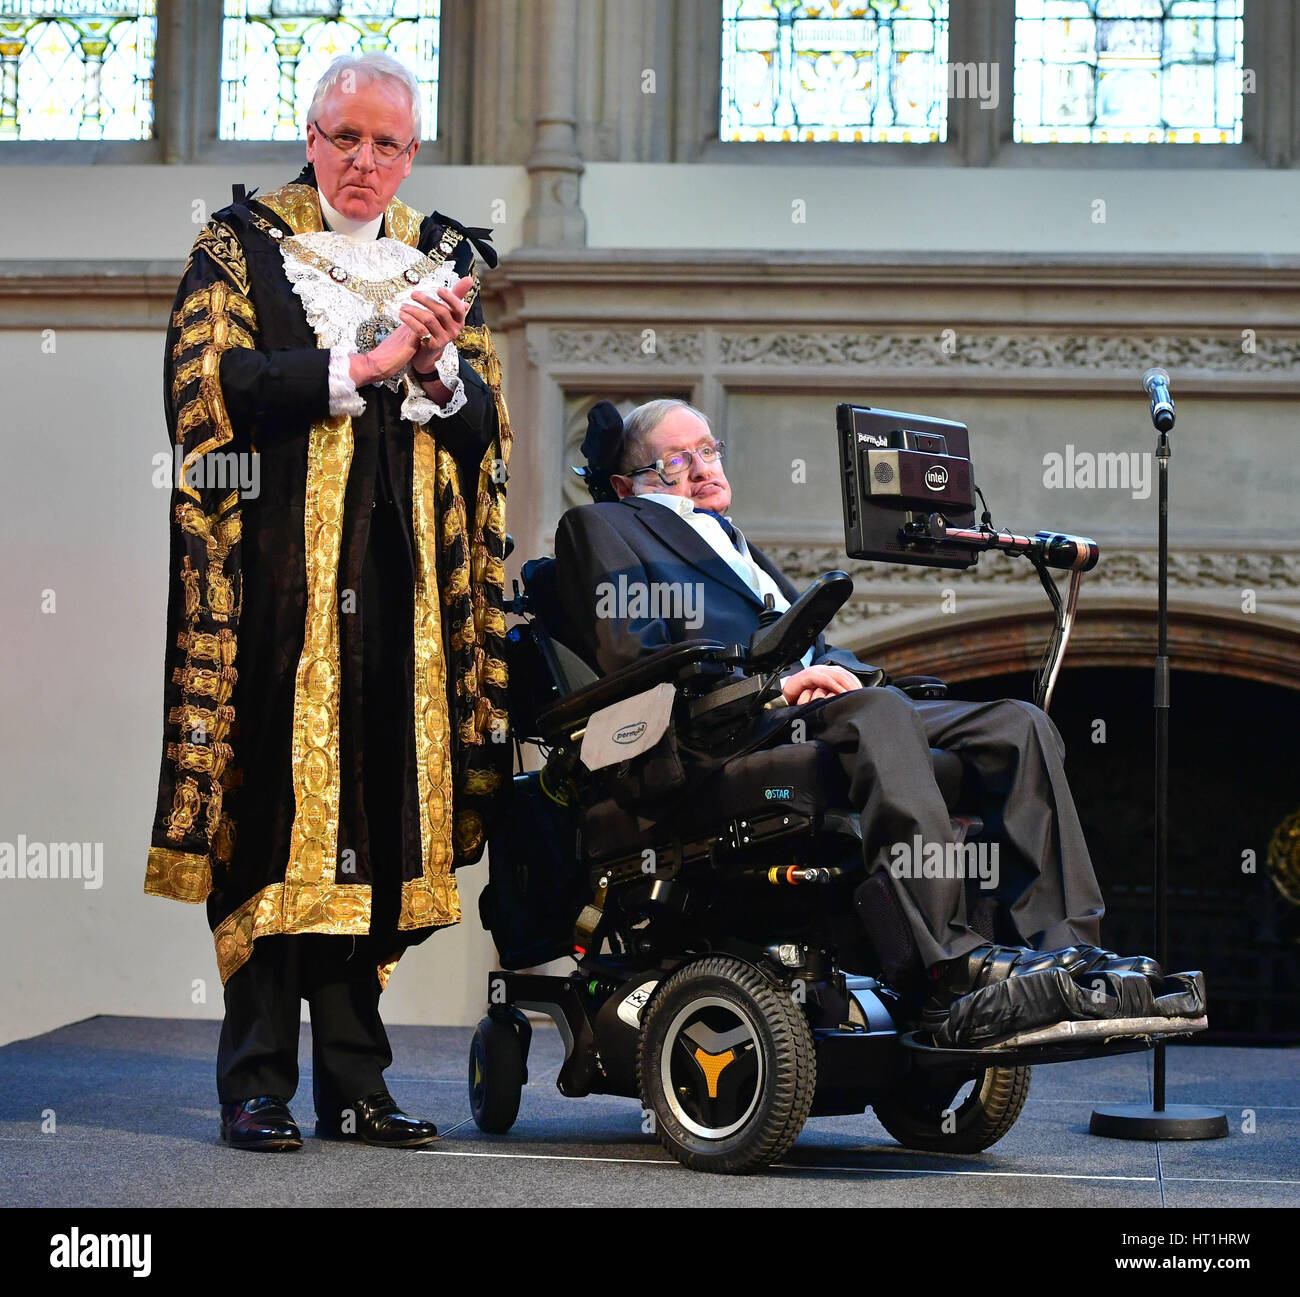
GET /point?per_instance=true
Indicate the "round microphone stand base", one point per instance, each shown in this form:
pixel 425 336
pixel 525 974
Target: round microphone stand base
pixel 1142 1121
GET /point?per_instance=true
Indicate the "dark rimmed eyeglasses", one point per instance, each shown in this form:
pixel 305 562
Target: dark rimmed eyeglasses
pixel 386 152
pixel 680 461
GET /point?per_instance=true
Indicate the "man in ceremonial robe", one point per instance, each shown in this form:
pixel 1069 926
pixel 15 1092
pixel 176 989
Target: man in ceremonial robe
pixel 335 718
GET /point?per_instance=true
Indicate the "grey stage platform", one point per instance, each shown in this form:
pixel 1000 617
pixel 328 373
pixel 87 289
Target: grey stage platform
pixel 135 1105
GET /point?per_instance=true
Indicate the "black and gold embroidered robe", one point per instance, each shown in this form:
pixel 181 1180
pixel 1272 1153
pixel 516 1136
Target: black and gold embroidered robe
pixel 280 607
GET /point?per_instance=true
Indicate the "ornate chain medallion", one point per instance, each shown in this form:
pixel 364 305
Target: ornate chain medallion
pixel 371 332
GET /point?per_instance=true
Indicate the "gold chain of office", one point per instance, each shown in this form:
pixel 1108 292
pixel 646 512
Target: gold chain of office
pixel 373 290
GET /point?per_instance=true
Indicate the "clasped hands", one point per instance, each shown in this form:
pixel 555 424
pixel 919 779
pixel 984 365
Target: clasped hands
pixel 820 681
pixel 428 325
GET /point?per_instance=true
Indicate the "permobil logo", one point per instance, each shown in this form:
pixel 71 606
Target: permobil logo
pixel 630 733
pixel 936 477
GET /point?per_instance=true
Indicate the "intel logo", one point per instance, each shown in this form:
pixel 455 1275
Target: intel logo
pixel 936 477
pixel 630 733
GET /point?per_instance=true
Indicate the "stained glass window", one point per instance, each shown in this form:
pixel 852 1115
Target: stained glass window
pixel 841 70
pixel 274 51
pixel 1128 71
pixel 76 71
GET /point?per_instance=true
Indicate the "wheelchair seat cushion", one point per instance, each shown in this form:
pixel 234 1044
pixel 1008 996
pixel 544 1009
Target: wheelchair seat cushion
pixel 801 778
pixel 805 778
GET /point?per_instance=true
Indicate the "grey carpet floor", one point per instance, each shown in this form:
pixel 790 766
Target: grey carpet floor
pixel 122 1111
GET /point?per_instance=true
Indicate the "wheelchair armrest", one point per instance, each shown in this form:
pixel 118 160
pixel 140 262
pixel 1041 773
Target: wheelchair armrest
pixel 921 686
pixel 572 711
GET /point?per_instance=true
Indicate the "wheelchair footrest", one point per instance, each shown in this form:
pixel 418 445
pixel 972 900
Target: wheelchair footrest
pixel 1103 1030
pixel 922 1053
pixel 1069 1047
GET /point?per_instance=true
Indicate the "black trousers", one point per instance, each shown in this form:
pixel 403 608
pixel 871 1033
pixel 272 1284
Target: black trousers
pixel 258 1050
pixel 1015 756
pixel 337 975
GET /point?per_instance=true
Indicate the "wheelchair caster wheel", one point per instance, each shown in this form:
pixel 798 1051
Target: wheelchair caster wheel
pixel 942 1113
pixel 497 1075
pixel 727 1066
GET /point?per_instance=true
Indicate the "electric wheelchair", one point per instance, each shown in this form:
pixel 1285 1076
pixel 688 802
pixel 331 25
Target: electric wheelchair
pixel 704 869
pixel 722 976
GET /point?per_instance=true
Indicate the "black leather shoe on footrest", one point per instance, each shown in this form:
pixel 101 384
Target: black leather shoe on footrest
pixel 378 1120
pixel 1092 959
pixel 1039 999
pixel 263 1124
pixel 981 967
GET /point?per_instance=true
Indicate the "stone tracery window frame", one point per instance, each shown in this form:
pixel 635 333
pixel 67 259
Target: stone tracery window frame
pixel 187 91
pixel 983 31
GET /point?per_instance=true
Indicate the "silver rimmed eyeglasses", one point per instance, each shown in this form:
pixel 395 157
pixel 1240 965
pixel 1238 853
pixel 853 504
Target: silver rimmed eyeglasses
pixel 386 152
pixel 680 461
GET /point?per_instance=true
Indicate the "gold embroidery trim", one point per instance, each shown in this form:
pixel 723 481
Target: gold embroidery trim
pixel 217 331
pixel 178 875
pixel 432 898
pixel 298 206
pixel 342 911
pixel 313 845
pixel 475 344
pixel 385 970
pixel 221 243
pixel 212 319
pixel 403 222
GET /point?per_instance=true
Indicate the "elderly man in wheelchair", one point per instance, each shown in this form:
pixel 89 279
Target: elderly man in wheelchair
pixel 770 863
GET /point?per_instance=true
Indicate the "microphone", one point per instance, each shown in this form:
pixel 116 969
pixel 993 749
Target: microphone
pixel 1068 552
pixel 1155 382
pixel 1056 549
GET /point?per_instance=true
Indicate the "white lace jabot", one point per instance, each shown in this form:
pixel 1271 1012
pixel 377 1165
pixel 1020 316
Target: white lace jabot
pixel 336 314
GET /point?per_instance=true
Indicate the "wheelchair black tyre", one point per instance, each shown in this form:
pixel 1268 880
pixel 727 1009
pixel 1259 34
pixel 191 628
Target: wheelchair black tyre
pixel 496 1076
pixel 739 1105
pixel 923 1117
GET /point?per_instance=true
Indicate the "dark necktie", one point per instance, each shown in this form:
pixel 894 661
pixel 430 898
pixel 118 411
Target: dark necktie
pixel 725 523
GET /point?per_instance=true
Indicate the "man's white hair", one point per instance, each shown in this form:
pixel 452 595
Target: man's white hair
pixel 641 422
pixel 368 67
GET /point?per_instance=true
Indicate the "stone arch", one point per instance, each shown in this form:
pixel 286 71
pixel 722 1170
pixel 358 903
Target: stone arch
pixel 1115 631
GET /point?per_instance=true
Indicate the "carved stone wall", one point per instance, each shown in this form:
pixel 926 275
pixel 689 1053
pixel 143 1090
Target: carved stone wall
pixel 1039 358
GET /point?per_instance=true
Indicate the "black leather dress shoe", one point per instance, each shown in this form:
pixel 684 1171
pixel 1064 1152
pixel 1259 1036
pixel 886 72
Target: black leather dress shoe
pixel 981 967
pixel 378 1120
pixel 263 1125
pixel 1095 960
pixel 994 993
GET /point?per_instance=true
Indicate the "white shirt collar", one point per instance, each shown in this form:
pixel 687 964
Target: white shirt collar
pixel 677 503
pixel 361 231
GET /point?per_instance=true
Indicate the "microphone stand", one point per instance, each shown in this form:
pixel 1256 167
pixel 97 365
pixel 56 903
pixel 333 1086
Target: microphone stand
pixel 1160 1120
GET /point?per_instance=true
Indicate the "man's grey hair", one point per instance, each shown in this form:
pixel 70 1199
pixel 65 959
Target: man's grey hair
pixel 641 422
pixel 367 68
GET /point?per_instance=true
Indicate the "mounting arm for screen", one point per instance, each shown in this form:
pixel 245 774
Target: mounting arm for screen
pixel 1045 550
